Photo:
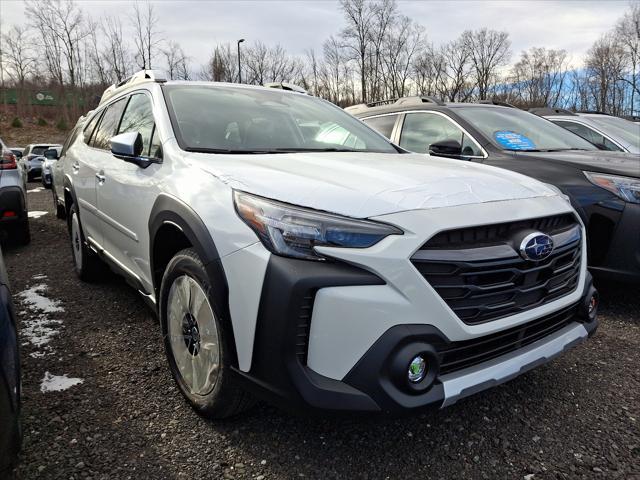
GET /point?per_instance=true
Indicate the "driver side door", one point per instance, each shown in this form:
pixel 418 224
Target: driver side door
pixel 420 130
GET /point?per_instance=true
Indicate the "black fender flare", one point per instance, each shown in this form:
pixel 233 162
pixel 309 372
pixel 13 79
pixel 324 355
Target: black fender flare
pixel 68 187
pixel 170 210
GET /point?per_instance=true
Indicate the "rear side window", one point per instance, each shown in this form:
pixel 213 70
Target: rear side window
pixel 91 127
pixel 589 135
pixel 138 117
pixel 108 125
pixel 383 124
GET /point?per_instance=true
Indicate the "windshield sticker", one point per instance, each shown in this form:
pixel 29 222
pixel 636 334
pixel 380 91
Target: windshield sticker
pixel 514 141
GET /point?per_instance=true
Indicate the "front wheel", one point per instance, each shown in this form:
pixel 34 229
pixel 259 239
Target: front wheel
pixel 197 345
pixel 85 262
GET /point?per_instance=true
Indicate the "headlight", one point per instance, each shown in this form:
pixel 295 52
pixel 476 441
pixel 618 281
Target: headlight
pixel 295 231
pixel 627 188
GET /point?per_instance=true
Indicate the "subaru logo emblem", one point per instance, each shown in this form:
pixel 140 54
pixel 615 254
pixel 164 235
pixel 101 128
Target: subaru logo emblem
pixel 536 246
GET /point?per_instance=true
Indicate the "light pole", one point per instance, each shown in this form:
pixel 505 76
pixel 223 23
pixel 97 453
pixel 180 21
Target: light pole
pixel 239 68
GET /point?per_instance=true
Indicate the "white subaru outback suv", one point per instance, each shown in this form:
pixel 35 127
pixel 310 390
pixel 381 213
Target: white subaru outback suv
pixel 292 252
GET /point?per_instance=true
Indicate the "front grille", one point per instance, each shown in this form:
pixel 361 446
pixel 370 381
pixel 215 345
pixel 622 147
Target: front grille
pixel 458 355
pixel 480 287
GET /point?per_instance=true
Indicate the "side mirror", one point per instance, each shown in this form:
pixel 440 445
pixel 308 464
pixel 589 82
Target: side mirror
pixel 128 147
pixel 446 148
pixel 51 154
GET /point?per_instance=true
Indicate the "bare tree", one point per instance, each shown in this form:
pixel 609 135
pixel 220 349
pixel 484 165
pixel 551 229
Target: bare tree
pixel 458 68
pixel 402 43
pixel 356 36
pixel 176 60
pixel 222 65
pixel 539 77
pixel 61 28
pixel 628 34
pixel 116 56
pixel 488 50
pixel 18 54
pixel 146 35
pixel 605 65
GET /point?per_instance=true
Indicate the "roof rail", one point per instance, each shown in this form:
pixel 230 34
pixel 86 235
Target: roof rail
pixel 414 100
pixel 549 112
pixel 286 86
pixel 593 111
pixel 496 102
pixel 138 77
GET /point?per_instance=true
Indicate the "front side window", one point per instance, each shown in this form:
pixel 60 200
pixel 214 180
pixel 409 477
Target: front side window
pixel 246 120
pixel 383 124
pixel 88 130
pixel 421 130
pixel 588 134
pixel 108 125
pixel 512 129
pixel 138 117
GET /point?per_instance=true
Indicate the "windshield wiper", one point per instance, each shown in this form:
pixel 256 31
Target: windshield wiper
pixel 327 149
pixel 227 150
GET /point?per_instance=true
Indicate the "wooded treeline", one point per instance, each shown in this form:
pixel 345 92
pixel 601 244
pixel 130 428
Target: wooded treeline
pixel 378 53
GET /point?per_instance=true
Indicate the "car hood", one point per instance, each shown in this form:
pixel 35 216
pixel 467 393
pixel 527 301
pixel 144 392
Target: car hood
pixel 617 163
pixel 368 184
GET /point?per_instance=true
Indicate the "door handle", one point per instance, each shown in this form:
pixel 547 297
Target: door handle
pixel 101 178
pixel 76 166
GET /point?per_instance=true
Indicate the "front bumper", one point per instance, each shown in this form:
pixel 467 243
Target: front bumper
pixel 281 373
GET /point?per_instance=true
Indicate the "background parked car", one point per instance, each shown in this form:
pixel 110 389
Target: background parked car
pixel 14 220
pixel 51 156
pixel 17 151
pixel 604 131
pixel 33 159
pixel 9 378
pixel 604 187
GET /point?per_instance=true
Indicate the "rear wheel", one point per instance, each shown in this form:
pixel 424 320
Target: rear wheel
pixel 197 345
pixel 86 263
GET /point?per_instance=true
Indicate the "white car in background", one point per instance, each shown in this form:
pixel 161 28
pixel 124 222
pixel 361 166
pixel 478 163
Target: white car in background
pixel 604 131
pixel 291 251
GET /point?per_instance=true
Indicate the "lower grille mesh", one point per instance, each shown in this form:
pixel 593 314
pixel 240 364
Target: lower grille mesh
pixel 458 355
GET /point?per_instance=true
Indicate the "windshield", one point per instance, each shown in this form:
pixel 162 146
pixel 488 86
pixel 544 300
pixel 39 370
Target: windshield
pixel 623 129
pixel 246 120
pixel 513 129
pixel 38 150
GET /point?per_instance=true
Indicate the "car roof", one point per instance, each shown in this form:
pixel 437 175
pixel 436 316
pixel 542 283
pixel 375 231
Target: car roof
pixel 366 111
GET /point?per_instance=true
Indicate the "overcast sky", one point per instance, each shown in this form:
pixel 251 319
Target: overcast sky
pixel 298 25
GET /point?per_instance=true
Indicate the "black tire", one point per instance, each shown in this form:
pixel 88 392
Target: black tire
pixel 21 233
pixel 86 263
pixel 61 213
pixel 226 398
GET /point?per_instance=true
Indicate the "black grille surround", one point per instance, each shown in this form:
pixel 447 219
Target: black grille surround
pixel 480 275
pixel 459 355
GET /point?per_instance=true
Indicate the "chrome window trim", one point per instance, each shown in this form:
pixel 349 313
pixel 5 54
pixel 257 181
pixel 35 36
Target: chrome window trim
pixel 432 112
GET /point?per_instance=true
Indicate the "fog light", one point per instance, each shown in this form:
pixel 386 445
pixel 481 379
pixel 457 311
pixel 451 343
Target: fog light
pixel 417 369
pixel 593 304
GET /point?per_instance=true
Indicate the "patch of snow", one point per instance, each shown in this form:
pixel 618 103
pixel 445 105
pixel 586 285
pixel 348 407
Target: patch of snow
pixel 40 330
pixel 36 214
pixel 35 190
pixel 57 383
pixel 39 276
pixel 35 300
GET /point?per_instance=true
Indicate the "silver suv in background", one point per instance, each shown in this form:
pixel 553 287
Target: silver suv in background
pixel 33 158
pixel 605 131
pixel 14 221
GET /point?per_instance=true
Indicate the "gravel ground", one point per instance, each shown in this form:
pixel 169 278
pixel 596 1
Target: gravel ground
pixel 578 417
